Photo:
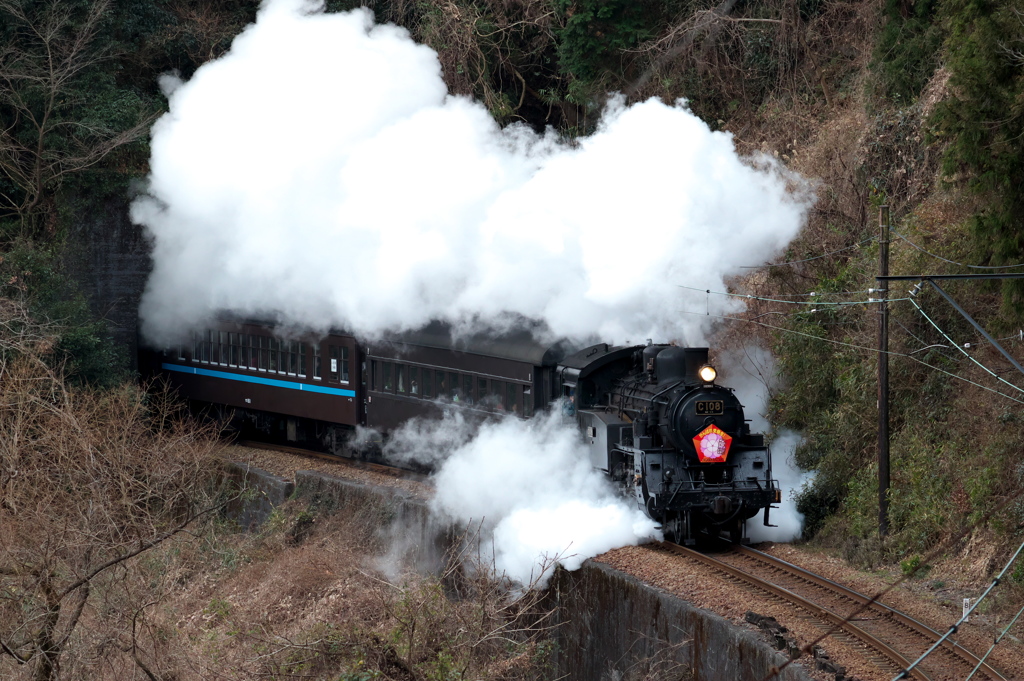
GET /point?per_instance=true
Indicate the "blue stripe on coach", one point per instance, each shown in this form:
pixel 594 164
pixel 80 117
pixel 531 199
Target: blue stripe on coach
pixel 304 387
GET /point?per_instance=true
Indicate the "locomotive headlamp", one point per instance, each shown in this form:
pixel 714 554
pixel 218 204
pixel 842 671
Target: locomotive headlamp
pixel 707 373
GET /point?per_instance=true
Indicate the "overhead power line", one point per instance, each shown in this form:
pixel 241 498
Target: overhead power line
pixel 999 638
pixel 963 350
pixel 905 674
pixel 817 257
pixel 747 296
pixel 860 347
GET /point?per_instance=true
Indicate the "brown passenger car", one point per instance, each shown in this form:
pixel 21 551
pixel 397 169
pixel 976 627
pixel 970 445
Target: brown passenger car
pixel 319 389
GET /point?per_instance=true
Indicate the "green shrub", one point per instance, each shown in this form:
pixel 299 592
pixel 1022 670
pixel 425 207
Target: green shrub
pixel 914 567
pixel 983 126
pixel 907 50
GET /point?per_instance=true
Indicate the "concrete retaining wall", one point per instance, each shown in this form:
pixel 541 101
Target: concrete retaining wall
pixel 611 626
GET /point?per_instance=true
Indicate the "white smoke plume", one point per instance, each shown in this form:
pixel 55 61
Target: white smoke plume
pixel 319 174
pixel 530 487
pixel 751 373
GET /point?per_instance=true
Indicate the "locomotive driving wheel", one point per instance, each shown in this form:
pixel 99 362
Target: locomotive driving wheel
pixel 677 528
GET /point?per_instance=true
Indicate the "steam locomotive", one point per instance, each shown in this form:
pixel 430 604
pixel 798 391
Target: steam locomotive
pixel 651 417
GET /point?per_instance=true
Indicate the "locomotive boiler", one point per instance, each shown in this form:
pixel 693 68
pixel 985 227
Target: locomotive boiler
pixel 654 419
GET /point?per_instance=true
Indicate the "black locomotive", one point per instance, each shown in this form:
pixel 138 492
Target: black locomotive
pixel 652 417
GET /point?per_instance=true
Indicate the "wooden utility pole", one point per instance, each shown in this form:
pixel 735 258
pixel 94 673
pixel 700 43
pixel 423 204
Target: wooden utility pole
pixel 883 372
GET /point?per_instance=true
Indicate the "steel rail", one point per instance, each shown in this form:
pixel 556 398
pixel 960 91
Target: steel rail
pixel 896 659
pixel 907 621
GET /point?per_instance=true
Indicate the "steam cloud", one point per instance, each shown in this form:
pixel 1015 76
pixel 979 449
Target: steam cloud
pixel 751 373
pixel 530 485
pixel 319 174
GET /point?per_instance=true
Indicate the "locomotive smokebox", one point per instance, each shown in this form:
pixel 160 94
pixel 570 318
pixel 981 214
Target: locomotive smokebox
pixel 676 364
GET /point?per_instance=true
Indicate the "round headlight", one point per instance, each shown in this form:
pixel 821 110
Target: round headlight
pixel 707 373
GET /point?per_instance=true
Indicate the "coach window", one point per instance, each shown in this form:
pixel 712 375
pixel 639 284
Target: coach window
pixel 428 384
pixel 400 378
pixel 316 361
pixel 511 403
pixel 375 374
pixel 439 384
pixel 497 394
pixel 275 356
pixel 293 362
pixel 467 388
pixel 333 356
pixel 414 381
pixel 388 385
pixel 302 360
pixel 206 344
pixel 453 387
pixel 243 350
pixel 222 347
pixel 344 364
pixel 232 349
pixel 481 391
pixel 527 402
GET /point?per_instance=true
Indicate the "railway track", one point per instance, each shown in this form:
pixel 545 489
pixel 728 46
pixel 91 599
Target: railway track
pixel 888 639
pixel 339 460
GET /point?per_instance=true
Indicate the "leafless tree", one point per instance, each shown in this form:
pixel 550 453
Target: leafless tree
pixel 49 47
pixel 89 481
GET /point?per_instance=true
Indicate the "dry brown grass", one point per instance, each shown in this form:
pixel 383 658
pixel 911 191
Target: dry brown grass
pixel 89 483
pixel 324 608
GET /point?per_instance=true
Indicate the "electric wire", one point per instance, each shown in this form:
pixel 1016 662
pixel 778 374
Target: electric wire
pixel 862 347
pixel 823 293
pixel 962 350
pixel 999 638
pixel 747 296
pixel 953 262
pixel 911 334
pixel 817 257
pixel 952 630
pixel 943 546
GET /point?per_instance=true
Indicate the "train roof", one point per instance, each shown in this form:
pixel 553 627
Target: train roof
pixel 518 345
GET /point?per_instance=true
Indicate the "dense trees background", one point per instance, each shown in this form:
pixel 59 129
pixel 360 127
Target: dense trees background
pixel 915 104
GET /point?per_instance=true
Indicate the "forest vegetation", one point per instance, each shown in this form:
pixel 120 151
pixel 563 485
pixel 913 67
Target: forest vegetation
pixel 916 105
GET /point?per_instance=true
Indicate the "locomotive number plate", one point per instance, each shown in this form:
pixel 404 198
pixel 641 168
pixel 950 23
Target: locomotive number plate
pixel 710 407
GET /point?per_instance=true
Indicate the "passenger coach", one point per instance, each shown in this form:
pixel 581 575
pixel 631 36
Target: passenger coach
pixel 317 390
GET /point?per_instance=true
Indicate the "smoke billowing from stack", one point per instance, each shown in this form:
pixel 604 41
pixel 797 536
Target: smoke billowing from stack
pixel 319 173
